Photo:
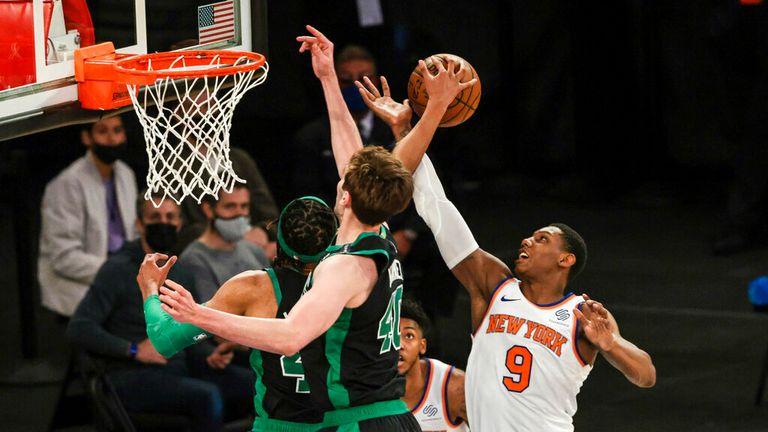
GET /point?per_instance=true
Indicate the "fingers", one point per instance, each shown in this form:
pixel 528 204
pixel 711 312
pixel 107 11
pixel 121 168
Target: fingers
pixel 422 68
pixel 384 85
pixel 320 36
pixel 169 310
pixel 169 301
pixel 469 83
pixel 371 87
pixel 580 316
pixel 153 257
pixel 407 103
pixel 176 287
pixel 169 292
pixel 367 97
pixel 168 264
pixel 463 70
pixel 305 44
pixel 585 310
pixel 440 67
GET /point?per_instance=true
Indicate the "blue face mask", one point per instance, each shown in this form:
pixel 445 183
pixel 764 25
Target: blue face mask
pixel 353 99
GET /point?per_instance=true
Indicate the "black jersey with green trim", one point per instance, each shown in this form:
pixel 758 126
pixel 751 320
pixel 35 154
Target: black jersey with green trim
pixel 282 391
pixel 355 362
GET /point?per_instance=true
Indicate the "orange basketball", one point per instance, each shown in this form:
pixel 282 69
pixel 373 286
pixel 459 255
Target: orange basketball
pixel 463 105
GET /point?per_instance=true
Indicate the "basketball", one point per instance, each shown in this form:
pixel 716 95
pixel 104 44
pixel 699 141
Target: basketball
pixel 464 104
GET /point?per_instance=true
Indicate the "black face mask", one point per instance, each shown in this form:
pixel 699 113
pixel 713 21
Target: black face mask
pixel 109 154
pixel 161 237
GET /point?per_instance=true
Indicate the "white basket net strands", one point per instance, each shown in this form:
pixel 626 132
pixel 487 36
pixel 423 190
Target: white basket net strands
pixel 186 128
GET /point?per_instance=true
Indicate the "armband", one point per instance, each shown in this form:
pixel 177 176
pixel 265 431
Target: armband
pixel 166 334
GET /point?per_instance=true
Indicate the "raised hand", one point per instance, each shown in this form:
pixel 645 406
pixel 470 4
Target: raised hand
pixel 443 87
pixel 599 329
pixel 151 276
pixel 178 302
pixel 393 113
pixel 321 49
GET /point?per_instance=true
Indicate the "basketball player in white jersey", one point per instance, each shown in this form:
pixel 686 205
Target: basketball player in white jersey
pixel 434 391
pixel 534 345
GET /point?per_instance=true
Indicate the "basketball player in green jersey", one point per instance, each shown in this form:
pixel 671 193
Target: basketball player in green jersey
pixel 282 401
pixel 355 293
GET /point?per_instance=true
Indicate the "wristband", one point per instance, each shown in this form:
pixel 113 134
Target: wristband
pixel 133 350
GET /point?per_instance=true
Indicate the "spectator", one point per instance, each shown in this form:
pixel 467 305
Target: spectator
pixel 222 252
pixel 87 213
pixel 109 322
pixel 434 391
pixel 314 171
pixel 263 208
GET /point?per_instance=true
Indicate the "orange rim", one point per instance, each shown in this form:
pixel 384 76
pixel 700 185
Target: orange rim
pixel 135 69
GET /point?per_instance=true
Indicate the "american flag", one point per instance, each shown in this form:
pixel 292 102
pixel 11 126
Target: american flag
pixel 216 21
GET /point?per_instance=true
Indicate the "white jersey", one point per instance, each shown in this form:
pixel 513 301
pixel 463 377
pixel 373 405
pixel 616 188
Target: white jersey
pixel 432 410
pixel 524 370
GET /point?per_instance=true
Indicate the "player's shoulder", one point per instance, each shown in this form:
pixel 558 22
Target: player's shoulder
pixel 441 365
pixel 343 262
pixel 248 287
pixel 249 281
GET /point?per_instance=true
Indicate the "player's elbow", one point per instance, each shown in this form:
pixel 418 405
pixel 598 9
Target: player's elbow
pixel 290 348
pixel 292 343
pixel 648 379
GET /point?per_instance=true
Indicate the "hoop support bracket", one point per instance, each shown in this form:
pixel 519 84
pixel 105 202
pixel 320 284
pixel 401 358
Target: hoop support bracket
pixel 98 85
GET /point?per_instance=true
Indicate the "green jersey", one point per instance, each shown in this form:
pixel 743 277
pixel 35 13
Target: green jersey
pixel 355 362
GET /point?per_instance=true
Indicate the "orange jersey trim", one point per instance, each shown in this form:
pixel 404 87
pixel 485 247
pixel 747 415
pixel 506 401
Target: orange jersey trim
pixel 575 341
pixel 426 388
pixel 447 413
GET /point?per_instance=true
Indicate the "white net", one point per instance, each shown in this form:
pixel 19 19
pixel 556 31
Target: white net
pixel 186 128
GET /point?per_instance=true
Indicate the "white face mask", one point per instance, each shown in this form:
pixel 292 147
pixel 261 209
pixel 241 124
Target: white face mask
pixel 234 229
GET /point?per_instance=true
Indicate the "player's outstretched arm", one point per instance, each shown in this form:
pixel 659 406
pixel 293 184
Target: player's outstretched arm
pixel 601 332
pixel 345 138
pixel 476 269
pixel 248 292
pixel 340 281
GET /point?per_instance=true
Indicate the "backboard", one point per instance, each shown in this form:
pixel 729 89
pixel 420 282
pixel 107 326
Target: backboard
pixel 37 86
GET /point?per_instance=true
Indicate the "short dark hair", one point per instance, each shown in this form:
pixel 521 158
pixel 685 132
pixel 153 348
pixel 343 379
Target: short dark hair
pixel 157 196
pixel 213 199
pixel 411 309
pixel 307 226
pixel 355 52
pixel 576 245
pixel 378 183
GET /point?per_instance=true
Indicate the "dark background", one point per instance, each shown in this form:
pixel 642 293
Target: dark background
pixel 610 95
pixel 625 119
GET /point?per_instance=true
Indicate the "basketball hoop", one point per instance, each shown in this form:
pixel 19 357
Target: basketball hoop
pixel 185 108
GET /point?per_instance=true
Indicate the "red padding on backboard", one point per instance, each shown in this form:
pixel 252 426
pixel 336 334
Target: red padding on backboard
pixel 77 16
pixel 17 42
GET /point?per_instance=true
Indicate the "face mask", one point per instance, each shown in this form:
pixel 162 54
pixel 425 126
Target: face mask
pixel 233 229
pixel 353 99
pixel 109 154
pixel 161 237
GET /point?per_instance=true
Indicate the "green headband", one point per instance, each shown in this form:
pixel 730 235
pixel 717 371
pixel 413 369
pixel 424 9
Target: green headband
pixel 281 240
